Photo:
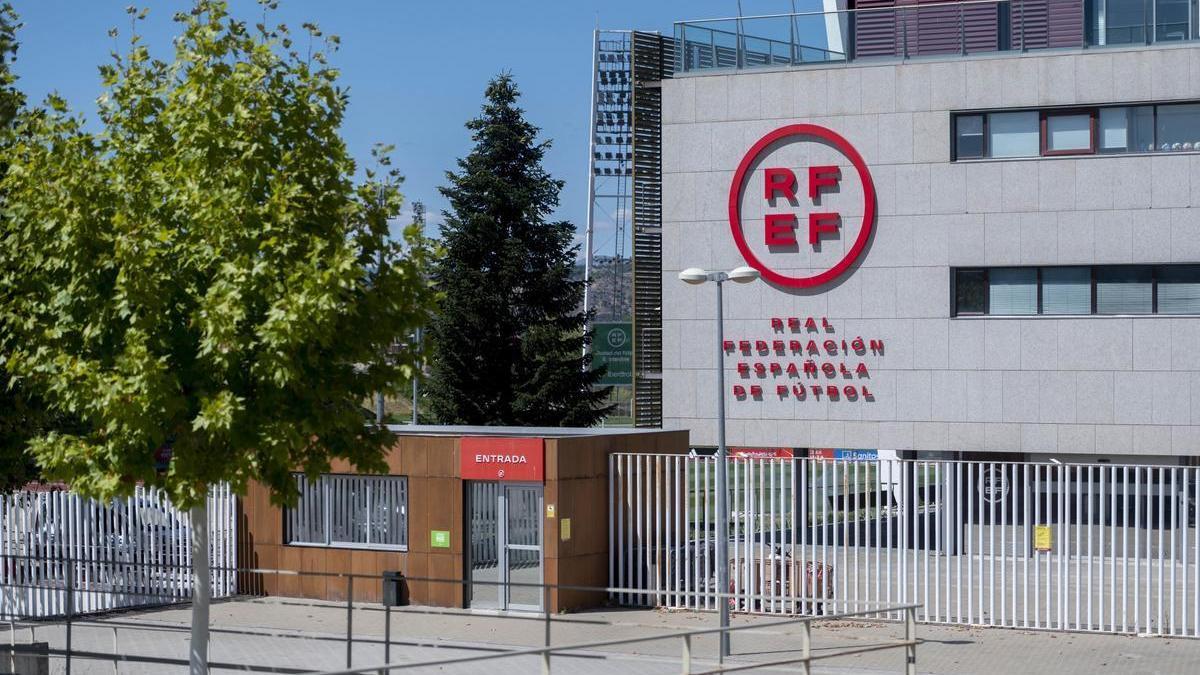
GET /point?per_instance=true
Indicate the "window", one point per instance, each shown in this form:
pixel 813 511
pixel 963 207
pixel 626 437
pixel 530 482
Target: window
pixel 970 292
pixel 1178 289
pixel 969 140
pixel 1012 291
pixel 1068 133
pixel 1013 134
pixel 1178 127
pixel 1125 22
pixel 1171 20
pixel 350 511
pixel 1124 290
pixel 1081 290
pixel 1067 290
pixel 1170 127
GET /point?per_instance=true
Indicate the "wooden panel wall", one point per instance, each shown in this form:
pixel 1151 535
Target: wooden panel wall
pixel 576 483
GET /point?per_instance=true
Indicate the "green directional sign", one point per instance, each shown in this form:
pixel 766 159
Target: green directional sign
pixel 612 345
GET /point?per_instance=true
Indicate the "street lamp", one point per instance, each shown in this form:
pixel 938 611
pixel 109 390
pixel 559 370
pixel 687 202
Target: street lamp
pixel 697 276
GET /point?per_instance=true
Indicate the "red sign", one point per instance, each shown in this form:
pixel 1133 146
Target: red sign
pixel 779 228
pixel 762 453
pixel 498 458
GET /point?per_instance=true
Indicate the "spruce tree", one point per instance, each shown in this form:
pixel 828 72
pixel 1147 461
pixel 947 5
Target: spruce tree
pixel 508 343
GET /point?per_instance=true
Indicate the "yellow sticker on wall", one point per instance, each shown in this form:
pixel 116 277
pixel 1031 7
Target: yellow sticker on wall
pixel 1042 538
pixel 550 511
pixel 564 529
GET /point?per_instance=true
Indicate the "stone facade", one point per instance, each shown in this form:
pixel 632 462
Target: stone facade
pixel 1088 385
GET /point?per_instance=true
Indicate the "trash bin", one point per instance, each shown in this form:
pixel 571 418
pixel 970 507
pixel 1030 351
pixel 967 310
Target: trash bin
pixel 395 590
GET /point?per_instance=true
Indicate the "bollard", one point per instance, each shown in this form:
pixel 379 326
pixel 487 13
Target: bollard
pixel 116 651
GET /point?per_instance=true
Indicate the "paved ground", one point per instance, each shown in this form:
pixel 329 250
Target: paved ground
pixel 300 636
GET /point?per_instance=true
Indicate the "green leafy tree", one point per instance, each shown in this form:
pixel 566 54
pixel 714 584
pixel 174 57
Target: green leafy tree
pixel 204 273
pixel 20 417
pixel 508 344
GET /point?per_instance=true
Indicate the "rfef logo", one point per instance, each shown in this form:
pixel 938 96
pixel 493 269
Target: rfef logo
pixel 810 221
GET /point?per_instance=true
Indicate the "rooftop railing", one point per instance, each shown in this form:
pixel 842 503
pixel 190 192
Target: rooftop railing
pixel 926 29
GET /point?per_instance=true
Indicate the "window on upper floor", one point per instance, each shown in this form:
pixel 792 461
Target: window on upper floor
pixel 1167 127
pixel 1076 290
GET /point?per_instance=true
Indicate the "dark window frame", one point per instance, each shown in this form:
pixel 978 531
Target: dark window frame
pixel 1046 114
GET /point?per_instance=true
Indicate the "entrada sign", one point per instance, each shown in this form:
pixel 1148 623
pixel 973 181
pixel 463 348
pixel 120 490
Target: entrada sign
pixel 496 458
pixel 781 224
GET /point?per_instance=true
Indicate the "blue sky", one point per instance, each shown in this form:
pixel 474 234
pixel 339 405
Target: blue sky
pixel 416 70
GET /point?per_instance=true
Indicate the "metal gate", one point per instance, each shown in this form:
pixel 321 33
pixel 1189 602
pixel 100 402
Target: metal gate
pixel 1089 547
pixel 125 553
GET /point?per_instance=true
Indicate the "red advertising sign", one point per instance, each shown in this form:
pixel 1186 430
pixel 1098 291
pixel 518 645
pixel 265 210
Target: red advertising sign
pixel 762 453
pixel 500 458
pixel 790 223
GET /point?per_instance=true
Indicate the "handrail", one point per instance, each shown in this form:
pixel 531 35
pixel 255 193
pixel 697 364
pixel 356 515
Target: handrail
pixel 846 11
pixel 909 642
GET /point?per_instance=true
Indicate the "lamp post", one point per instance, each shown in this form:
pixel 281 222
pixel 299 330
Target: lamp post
pixel 696 276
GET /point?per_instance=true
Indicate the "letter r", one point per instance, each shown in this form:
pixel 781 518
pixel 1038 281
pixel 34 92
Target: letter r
pixel 779 180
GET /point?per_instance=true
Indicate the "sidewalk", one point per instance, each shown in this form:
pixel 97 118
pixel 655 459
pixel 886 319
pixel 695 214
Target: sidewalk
pixel 302 636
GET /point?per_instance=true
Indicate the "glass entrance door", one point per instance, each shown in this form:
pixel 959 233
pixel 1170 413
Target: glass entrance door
pixel 505 526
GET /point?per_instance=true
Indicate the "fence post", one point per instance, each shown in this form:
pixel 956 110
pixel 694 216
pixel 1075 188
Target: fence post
pixel 910 639
pixel 546 614
pixel 350 621
pixel 70 611
pixel 686 657
pixel 387 635
pixel 806 646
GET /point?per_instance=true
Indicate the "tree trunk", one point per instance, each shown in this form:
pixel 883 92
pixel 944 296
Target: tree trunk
pixel 201 589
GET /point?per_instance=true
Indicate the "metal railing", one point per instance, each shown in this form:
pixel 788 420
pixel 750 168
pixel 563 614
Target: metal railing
pixel 926 29
pixel 689 658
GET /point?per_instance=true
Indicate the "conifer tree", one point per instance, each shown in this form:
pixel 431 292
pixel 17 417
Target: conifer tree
pixel 508 344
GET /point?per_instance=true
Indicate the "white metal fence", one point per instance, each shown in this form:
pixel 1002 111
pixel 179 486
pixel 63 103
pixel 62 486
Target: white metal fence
pixel 127 553
pixel 1097 547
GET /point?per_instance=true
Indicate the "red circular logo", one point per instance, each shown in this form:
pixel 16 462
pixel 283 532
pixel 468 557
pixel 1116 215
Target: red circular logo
pixel 817 225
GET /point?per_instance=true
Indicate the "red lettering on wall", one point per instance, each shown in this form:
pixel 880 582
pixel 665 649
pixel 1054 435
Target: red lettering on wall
pixel 779 229
pixel 819 177
pixel 779 180
pixel 819 223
